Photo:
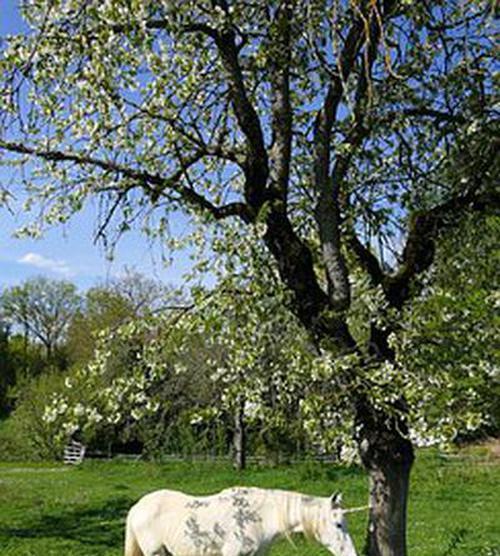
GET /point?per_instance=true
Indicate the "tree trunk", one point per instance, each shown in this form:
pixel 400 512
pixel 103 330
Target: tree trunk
pixel 239 437
pixel 48 351
pixel 386 535
pixel 388 456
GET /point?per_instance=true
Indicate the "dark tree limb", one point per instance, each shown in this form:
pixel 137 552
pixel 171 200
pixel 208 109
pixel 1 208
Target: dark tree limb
pixel 310 303
pixel 437 115
pixel 480 194
pixel 418 254
pixel 256 167
pixel 368 261
pixel 281 105
pixel 327 208
pixel 359 130
pixel 366 30
pixel 155 185
pixel 423 231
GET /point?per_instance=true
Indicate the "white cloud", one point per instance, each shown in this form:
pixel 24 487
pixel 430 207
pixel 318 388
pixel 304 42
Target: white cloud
pixel 45 263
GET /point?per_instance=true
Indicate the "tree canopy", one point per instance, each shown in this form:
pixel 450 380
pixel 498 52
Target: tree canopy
pixel 324 116
pixel 43 308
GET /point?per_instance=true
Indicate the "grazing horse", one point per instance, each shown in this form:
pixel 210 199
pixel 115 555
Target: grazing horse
pixel 235 522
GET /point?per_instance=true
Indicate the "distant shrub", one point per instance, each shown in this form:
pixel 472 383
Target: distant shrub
pixel 25 435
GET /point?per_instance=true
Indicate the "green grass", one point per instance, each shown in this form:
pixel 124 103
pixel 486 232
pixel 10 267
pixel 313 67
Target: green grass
pixel 48 509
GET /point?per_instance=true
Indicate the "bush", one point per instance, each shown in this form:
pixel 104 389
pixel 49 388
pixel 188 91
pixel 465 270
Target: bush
pixel 25 435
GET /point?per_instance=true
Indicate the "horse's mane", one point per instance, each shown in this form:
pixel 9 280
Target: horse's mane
pixel 307 508
pixel 310 518
pixel 283 513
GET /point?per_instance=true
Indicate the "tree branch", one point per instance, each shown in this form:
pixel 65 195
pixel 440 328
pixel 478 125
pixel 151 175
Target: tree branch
pixel 158 24
pixel 368 261
pixel 437 115
pixel 367 30
pixel 424 228
pixel 210 149
pixel 358 132
pixel 155 185
pixel 256 167
pixel 281 106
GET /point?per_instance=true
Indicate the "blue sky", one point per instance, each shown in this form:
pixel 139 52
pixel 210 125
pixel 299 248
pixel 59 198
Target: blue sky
pixel 70 252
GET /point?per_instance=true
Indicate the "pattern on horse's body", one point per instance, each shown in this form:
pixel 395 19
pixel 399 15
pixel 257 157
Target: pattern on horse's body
pixel 236 522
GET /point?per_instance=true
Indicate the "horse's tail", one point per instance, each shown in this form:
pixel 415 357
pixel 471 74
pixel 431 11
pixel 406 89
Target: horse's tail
pixel 132 547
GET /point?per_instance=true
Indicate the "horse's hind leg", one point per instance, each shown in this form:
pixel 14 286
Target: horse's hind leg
pixel 151 547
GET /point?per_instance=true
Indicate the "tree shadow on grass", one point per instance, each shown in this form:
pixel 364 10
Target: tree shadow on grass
pixel 90 526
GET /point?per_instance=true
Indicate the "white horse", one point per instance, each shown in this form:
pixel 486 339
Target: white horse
pixel 235 522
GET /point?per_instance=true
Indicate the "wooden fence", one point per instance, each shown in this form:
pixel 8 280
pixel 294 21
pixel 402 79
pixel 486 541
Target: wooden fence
pixel 74 452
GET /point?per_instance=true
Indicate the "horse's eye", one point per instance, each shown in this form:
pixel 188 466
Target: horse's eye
pixel 339 525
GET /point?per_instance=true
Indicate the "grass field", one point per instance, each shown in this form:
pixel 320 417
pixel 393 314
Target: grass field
pixel 48 510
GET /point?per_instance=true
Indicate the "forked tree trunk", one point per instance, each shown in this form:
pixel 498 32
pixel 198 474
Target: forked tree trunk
pixel 388 456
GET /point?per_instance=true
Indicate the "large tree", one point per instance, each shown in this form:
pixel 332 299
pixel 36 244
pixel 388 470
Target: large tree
pixel 108 305
pixel 347 132
pixel 43 308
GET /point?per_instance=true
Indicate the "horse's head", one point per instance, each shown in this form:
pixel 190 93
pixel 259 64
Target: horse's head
pixel 332 528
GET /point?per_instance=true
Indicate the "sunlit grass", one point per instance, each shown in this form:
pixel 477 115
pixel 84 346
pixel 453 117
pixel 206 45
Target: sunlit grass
pixel 54 510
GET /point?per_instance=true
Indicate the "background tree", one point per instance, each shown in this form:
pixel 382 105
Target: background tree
pixel 18 364
pixel 43 308
pixel 28 375
pixel 330 126
pixel 101 308
pixel 108 305
pixel 7 369
pixel 142 294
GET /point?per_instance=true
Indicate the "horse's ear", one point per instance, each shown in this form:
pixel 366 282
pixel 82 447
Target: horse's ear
pixel 336 500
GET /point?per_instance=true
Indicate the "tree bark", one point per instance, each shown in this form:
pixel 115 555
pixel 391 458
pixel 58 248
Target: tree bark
pixel 389 484
pixel 388 455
